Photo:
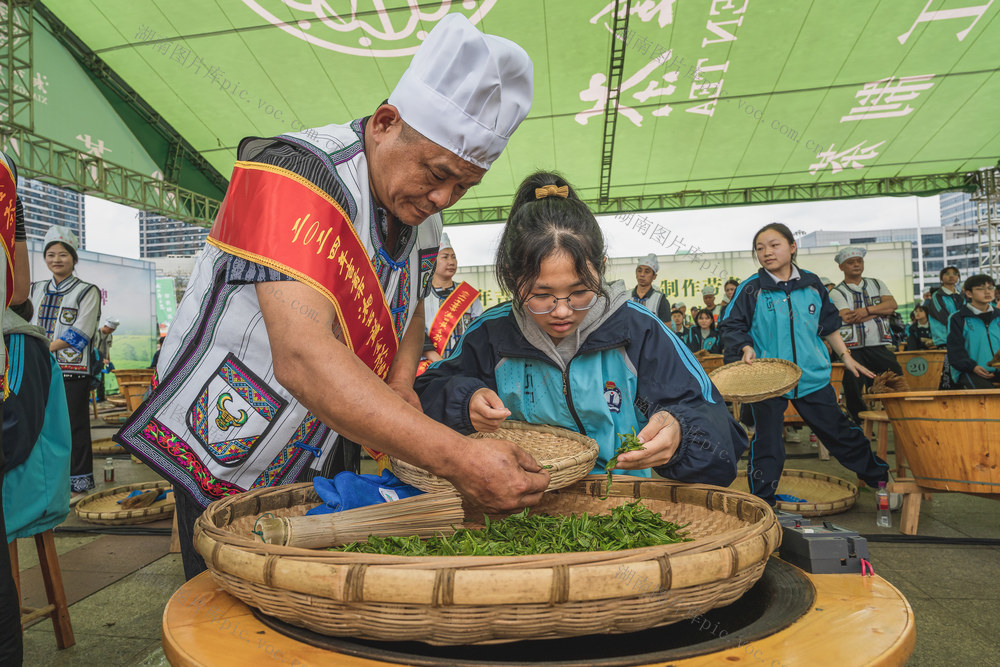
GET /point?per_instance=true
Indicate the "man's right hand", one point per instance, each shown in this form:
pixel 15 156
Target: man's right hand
pixel 499 475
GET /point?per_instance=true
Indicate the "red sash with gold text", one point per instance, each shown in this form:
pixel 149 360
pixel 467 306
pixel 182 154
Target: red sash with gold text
pixel 8 211
pixel 447 318
pixel 280 219
pixel 277 218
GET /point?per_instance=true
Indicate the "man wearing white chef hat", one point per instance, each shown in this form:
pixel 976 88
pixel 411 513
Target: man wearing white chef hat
pixel 865 305
pixel 304 315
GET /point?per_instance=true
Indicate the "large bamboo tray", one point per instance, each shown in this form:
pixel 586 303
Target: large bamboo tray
pixel 569 455
pixel 823 494
pixel 470 600
pixel 103 507
pixel 759 381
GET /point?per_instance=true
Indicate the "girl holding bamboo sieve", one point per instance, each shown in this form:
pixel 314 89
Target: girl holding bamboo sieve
pixel 784 312
pixel 572 350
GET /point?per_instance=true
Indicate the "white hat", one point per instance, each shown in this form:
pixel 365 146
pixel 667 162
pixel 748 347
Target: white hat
pixel 825 280
pixel 466 91
pixel 445 242
pixel 848 253
pixel 708 289
pixel 679 304
pixel 111 323
pixel 650 261
pixel 61 235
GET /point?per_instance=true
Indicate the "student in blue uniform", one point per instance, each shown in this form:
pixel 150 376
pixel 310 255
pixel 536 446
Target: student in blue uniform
pixel 703 335
pixel 571 350
pixel 918 333
pixel 974 336
pixel 943 302
pixel 784 312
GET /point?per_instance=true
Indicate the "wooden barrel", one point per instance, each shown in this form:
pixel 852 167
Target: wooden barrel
pixel 133 383
pixel 710 362
pixel 922 368
pixel 951 439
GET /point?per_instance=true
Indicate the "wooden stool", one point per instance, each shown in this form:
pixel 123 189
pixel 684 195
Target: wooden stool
pixel 56 609
pixel 870 417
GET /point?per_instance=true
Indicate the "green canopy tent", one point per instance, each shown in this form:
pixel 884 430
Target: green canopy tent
pixel 718 102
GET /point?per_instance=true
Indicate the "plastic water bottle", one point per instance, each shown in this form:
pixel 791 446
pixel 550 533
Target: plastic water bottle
pixel 109 471
pixel 883 516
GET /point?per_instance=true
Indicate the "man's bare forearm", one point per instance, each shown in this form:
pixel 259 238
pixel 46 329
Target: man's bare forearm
pixel 328 379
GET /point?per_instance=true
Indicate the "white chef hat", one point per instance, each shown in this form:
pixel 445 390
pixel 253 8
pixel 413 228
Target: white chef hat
pixel 64 235
pixel 849 252
pixel 445 242
pixel 650 261
pixel 466 91
pixel 111 323
pixel 825 280
pixel 709 290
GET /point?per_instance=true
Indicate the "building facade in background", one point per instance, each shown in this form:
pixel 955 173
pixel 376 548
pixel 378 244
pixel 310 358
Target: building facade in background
pixel 47 205
pixel 950 245
pixel 160 236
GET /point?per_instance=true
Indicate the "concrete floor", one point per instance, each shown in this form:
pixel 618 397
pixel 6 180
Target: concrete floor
pixel 953 589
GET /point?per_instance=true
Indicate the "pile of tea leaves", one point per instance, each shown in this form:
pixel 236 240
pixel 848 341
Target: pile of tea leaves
pixel 629 526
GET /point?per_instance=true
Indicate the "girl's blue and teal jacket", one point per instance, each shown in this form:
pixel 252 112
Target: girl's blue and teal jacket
pixel 628 368
pixel 783 320
pixel 940 307
pixel 973 340
pixel 696 341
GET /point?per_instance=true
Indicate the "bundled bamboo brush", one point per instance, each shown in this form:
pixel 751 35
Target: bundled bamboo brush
pixel 425 515
pixel 888 382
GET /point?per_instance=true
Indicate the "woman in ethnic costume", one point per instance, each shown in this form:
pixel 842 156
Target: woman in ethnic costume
pixel 69 310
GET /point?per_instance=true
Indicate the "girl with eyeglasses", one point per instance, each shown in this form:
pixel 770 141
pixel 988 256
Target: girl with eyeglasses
pixel 572 350
pixel 784 312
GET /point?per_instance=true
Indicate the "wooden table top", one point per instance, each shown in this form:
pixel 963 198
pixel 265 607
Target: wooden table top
pixel 855 620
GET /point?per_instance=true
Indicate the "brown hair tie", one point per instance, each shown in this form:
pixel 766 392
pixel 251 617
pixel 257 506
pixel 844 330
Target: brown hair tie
pixel 552 191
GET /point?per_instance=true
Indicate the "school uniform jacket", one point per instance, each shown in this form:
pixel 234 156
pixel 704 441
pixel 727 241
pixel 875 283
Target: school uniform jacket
pixel 696 341
pixel 627 369
pixel 785 320
pixel 940 307
pixel 972 340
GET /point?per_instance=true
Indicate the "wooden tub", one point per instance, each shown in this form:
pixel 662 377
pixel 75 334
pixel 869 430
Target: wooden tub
pixel 922 368
pixel 710 362
pixel 133 383
pixel 951 439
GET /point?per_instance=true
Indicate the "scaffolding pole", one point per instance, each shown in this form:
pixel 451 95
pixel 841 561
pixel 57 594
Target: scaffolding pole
pixel 986 200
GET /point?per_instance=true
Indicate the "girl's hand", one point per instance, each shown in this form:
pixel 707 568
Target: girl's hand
pixel 486 410
pixel 748 354
pixel 855 367
pixel 983 372
pixel 660 437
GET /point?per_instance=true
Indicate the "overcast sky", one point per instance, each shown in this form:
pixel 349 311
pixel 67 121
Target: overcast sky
pixel 114 229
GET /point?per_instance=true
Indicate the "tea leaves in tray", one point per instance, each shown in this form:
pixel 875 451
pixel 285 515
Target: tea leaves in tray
pixel 630 443
pixel 627 527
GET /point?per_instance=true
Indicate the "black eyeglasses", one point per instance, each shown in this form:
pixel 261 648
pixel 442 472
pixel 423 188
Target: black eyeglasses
pixel 541 304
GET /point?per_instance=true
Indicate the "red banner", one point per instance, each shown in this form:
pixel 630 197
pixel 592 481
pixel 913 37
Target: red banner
pixel 277 218
pixel 8 212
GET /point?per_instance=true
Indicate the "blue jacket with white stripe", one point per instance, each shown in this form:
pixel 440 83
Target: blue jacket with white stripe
pixel 973 340
pixel 627 369
pixel 786 320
